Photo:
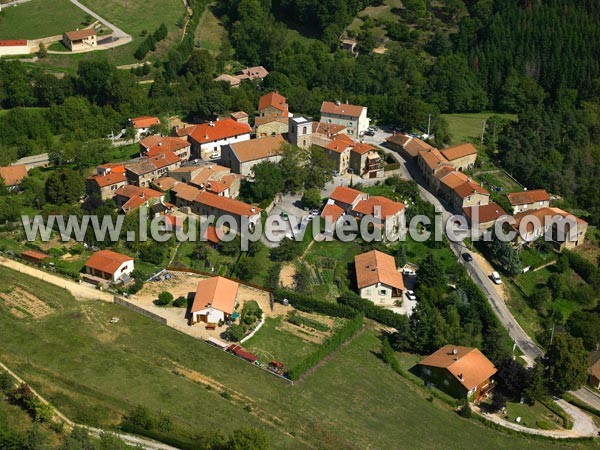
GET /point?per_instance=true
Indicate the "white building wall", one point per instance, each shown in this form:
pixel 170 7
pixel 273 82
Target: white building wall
pixel 379 293
pixel 208 148
pixel 15 50
pixel 125 268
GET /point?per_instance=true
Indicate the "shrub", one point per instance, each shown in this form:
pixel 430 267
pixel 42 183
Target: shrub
pixel 180 302
pixel 235 332
pixel 164 298
pixel 7 383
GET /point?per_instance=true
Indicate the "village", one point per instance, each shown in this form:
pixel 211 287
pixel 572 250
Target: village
pixel 198 170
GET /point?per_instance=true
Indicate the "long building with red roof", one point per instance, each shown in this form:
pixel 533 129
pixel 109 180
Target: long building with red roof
pixel 208 138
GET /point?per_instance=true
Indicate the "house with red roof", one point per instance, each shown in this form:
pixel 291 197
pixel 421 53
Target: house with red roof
pixel 83 39
pixel 215 300
pixel 209 204
pixel 483 216
pixel 272 117
pixel 528 200
pixel 155 145
pixel 109 265
pixel 105 186
pixel 377 278
pixel 10 47
pixel 353 117
pixel 208 138
pixel 34 257
pixel 12 176
pixel 147 169
pixel 131 197
pixel 143 125
pixel 461 372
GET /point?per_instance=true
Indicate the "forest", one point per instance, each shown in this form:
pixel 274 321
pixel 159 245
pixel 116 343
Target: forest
pixel 462 56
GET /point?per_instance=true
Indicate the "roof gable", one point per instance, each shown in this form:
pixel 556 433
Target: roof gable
pixel 376 267
pixel 216 292
pixel 221 129
pixel 107 261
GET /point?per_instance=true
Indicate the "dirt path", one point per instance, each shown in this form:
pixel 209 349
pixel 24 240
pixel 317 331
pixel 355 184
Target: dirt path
pixel 80 291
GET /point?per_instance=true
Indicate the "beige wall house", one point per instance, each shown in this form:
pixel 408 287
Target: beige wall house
pixel 406 145
pixel 365 161
pixel 214 301
pixel 270 126
pixel 155 145
pixel 528 200
pixel 462 157
pixel 207 139
pixel 353 117
pixel 80 39
pixel 377 278
pixel 209 204
pixel 243 156
pixel 105 186
pixel 485 216
pixel 109 265
pixel 144 171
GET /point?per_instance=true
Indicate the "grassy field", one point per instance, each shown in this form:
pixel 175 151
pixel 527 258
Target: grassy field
pixel 211 31
pixel 467 126
pixel 40 18
pixel 96 372
pixel 273 343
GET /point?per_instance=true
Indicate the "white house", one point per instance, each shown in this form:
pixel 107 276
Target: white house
pixel 143 125
pixel 353 117
pixel 215 300
pixel 377 278
pixel 10 47
pixel 208 138
pixel 109 265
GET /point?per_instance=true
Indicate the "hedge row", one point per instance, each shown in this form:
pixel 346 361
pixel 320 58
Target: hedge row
pixel 584 268
pixel 331 343
pixel 372 311
pixel 311 304
pixel 556 409
pixel 581 405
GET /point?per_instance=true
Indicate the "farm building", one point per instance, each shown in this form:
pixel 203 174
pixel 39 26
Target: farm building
pixel 109 265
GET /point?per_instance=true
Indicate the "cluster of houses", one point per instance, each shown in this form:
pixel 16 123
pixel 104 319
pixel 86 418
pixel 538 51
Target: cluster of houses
pixel 77 40
pixel 444 174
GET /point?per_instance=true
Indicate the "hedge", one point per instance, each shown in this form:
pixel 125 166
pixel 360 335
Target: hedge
pixel 331 343
pixel 584 268
pixel 580 404
pixel 310 304
pixel 556 409
pixel 372 311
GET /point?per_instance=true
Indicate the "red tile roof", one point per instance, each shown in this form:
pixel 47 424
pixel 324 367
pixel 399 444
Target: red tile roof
pixel 221 129
pixel 216 292
pixel 145 121
pixel 155 145
pixel 275 100
pixel 433 158
pixel 362 148
pixel 186 192
pixel 165 183
pixel 114 167
pixel 459 151
pixel 469 188
pixel 33 254
pixel 13 43
pixel 107 261
pixel 13 175
pixel 386 207
pixel 109 179
pixel 229 205
pixel 376 267
pixel 340 144
pixel 80 34
pixel 333 211
pixel 328 129
pixel 345 194
pixel 487 213
pixel 343 109
pixel 527 197
pixel 211 235
pixel 130 190
pixel 259 148
pixel 469 366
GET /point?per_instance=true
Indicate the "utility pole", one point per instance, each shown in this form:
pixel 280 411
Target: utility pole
pixel 482 130
pixel 428 125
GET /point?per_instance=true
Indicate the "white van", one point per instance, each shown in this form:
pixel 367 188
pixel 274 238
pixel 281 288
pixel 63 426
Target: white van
pixel 496 278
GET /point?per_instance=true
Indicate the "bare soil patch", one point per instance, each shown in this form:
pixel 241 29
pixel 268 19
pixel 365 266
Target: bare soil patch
pixel 286 276
pixel 23 303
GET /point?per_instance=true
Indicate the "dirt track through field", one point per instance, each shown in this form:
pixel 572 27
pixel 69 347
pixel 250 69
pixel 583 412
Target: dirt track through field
pixel 80 291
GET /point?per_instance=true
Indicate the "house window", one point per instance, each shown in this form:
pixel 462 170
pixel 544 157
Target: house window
pixel 446 382
pixel 303 130
pixel 368 291
pixel 382 292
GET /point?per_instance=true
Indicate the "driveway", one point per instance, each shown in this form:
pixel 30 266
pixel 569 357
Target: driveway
pixel 587 395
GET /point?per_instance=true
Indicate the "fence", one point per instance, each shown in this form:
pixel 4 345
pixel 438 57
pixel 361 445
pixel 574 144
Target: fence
pixel 137 309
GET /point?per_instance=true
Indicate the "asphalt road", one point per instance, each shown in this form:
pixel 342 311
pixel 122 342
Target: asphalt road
pixel 478 274
pixel 117 32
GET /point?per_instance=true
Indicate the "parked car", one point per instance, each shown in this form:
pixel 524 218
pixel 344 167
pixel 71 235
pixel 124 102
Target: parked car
pixel 411 295
pixel 314 212
pixel 409 272
pixel 496 278
pixel 467 257
pixel 369 133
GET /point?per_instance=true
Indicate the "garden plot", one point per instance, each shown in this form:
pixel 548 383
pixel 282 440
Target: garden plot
pixel 22 304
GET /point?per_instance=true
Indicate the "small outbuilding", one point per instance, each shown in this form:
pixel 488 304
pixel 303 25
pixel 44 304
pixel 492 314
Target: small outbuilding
pixel 215 300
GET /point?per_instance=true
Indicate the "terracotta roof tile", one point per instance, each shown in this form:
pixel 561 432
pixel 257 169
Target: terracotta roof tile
pixel 35 255
pixel 13 175
pixel 275 100
pixel 469 366
pixel 459 151
pixel 376 267
pixel 216 292
pixel 221 129
pixel 469 188
pixel 13 43
pixel 259 148
pixel 225 204
pixel 386 207
pixel 109 179
pixel 332 211
pixel 343 109
pixel 362 148
pixel 107 261
pixel 527 197
pixel 144 121
pixel 487 213
pixel 80 34
pixel 346 195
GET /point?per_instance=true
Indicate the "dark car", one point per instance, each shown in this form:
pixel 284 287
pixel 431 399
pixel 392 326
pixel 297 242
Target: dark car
pixel 369 133
pixel 467 257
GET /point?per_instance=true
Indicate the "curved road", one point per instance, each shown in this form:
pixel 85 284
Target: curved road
pixel 117 32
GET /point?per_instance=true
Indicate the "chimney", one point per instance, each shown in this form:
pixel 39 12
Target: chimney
pixel 454 351
pixel 338 103
pixel 160 144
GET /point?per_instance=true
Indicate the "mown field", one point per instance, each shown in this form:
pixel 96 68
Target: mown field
pixel 96 372
pixel 40 18
pixel 465 127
